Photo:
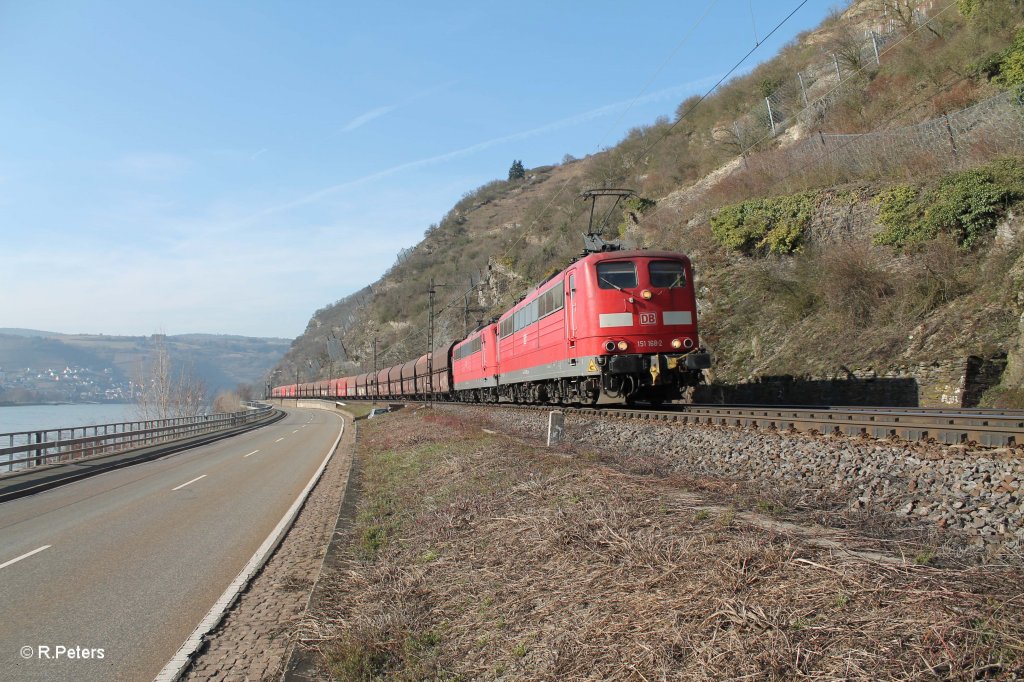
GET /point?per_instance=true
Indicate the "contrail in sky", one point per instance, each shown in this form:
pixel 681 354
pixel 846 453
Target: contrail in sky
pixel 362 120
pixel 673 92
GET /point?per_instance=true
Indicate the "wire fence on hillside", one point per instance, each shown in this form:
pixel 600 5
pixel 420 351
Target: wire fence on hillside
pixel 966 138
pixel 806 96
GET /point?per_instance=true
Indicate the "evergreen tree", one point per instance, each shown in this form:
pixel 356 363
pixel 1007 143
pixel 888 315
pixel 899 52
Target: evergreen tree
pixel 516 172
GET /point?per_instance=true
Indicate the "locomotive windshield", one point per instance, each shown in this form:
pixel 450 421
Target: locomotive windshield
pixel 616 275
pixel 667 273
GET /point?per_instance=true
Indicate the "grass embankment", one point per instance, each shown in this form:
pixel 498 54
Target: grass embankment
pixel 475 556
pixel 360 408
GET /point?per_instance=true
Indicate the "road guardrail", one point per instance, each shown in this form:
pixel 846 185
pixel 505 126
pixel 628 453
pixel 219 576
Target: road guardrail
pixel 25 449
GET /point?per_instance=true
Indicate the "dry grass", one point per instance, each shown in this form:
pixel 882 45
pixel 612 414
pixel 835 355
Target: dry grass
pixel 500 560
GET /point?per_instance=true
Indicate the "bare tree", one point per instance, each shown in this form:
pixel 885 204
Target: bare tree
pixel 245 391
pixel 847 44
pixel 188 394
pixel 166 392
pixel 226 401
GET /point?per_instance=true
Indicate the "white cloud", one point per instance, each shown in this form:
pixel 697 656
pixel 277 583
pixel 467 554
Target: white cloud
pixel 363 119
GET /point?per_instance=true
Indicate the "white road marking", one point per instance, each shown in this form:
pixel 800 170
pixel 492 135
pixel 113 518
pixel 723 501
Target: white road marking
pixel 488 431
pixel 181 659
pixel 189 483
pixel 24 556
pixel 279 439
pixel 251 453
pixel 295 431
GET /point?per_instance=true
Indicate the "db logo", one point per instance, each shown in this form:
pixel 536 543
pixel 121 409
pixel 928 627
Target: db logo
pixel 648 318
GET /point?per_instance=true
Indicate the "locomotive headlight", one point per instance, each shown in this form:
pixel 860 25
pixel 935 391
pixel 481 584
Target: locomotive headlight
pixel 677 344
pixel 646 294
pixel 609 345
pixel 623 345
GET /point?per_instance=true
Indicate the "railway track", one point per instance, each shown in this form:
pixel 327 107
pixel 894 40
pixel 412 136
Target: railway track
pixel 981 426
pixel 990 428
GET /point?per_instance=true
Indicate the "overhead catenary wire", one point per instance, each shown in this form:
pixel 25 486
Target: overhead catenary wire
pixel 856 72
pixel 852 75
pixel 721 80
pixel 561 189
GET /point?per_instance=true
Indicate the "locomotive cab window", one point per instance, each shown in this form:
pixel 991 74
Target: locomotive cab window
pixel 668 274
pixel 616 275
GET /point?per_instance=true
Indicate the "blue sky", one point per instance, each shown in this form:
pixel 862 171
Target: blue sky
pixel 230 167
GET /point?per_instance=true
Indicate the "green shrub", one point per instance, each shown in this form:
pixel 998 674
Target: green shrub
pixel 899 212
pixel 632 209
pixel 966 206
pixel 967 7
pixel 773 225
pixel 768 86
pixel 1011 66
pixel 970 204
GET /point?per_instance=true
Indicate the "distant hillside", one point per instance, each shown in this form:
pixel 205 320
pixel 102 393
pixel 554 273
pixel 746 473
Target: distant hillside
pixel 26 332
pixel 852 205
pixel 222 362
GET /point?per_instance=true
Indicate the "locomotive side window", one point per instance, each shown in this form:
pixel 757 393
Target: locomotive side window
pixel 545 304
pixel 616 275
pixel 468 349
pixel 526 316
pixel 667 273
pixel 551 300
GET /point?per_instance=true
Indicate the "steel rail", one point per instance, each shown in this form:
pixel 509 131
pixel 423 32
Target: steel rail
pixel 986 427
pixel 911 424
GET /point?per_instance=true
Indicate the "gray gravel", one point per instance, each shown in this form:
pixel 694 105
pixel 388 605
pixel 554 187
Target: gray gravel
pixel 978 492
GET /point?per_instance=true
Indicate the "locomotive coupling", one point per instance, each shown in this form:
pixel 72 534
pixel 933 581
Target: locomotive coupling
pixel 700 359
pixel 659 366
pixel 626 364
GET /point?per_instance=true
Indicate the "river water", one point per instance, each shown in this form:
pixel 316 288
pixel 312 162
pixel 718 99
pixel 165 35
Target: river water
pixel 39 417
pixel 15 418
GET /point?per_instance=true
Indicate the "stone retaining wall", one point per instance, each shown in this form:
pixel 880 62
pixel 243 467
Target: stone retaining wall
pixel 958 383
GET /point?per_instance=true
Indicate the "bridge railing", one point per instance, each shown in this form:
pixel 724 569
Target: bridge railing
pixel 22 449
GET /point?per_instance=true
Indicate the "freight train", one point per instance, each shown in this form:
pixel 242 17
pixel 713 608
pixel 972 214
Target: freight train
pixel 615 323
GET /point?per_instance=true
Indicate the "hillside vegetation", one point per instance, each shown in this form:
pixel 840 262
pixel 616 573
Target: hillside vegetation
pixel 871 218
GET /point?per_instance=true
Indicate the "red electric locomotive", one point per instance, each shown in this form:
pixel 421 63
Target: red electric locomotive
pixel 475 366
pixel 615 323
pixel 618 323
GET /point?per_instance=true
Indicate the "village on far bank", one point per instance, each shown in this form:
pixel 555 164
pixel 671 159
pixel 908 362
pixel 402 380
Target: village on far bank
pixel 69 384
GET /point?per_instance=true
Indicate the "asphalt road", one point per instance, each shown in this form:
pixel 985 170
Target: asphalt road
pixel 126 564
